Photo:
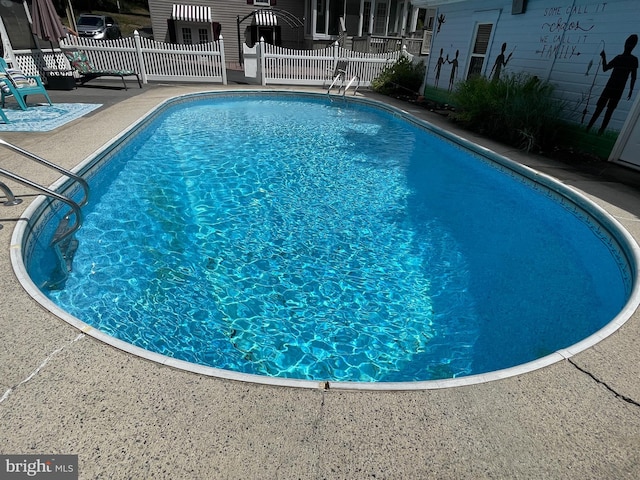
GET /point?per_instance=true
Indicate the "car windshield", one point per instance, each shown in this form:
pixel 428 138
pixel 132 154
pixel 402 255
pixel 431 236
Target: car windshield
pixel 90 22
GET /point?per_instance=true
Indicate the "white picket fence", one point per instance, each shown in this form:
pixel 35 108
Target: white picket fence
pixel 270 64
pixel 152 60
pixel 157 61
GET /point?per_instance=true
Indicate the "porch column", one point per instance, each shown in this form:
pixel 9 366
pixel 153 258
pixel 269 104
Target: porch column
pixel 414 18
pixel 403 24
pixel 372 16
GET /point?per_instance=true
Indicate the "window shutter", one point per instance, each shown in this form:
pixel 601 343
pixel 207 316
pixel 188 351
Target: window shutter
pixel 482 38
pixel 171 27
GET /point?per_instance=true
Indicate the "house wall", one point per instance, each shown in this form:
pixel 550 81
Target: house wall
pixel 226 13
pixel 557 40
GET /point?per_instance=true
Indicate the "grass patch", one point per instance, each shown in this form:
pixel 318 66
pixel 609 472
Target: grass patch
pixel 578 145
pixel 438 96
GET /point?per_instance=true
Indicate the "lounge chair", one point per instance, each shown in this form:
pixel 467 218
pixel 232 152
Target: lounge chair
pixel 15 83
pixel 4 117
pixel 87 71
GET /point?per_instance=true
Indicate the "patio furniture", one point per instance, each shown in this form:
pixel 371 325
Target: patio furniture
pixel 87 71
pixel 4 117
pixel 15 83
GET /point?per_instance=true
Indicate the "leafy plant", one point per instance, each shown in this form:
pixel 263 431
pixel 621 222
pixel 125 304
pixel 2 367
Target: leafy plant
pixel 400 77
pixel 518 109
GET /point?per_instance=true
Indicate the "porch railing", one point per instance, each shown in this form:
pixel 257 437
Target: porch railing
pixel 385 44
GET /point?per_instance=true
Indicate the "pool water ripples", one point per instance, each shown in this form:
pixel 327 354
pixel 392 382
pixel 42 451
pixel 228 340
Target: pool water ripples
pixel 301 239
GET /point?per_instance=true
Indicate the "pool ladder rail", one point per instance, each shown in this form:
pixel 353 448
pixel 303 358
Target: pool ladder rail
pixel 338 82
pixel 63 241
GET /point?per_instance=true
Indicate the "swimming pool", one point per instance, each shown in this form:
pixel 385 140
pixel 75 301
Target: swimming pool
pixel 332 254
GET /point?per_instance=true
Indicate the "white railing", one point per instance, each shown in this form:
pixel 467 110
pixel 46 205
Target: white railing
pixel 270 64
pixel 150 59
pixel 376 43
pixel 385 44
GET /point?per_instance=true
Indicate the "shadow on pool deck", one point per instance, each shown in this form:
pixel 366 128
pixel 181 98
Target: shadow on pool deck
pixel 64 392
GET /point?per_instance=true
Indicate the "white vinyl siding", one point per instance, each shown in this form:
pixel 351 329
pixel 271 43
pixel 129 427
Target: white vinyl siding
pixel 226 13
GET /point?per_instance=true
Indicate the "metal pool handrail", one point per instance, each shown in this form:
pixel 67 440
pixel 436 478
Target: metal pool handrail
pixel 46 191
pixel 58 168
pixel 64 230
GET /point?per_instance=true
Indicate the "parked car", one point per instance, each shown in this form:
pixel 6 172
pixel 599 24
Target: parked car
pixel 99 27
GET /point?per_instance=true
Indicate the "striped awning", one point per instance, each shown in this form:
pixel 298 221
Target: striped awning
pixel 191 13
pixel 265 18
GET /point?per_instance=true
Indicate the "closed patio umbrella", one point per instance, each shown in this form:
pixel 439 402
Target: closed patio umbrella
pixel 46 23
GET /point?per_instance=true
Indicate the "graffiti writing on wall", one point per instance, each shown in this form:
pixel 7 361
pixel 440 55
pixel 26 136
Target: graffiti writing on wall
pixel 565 28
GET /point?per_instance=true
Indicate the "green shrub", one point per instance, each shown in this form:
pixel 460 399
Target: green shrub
pixel 400 77
pixel 517 109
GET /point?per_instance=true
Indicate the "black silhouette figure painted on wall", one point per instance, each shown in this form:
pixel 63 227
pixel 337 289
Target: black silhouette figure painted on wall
pixel 500 62
pixel 441 20
pixel 454 70
pixel 624 66
pixel 439 64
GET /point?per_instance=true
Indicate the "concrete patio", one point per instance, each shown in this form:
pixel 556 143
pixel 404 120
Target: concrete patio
pixel 62 392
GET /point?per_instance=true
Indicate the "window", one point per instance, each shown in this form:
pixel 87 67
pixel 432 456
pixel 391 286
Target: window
pixel 480 47
pixel 336 10
pixel 366 17
pixel 429 24
pixel 380 19
pixel 203 35
pixel 324 17
pixel 186 36
pixel 379 24
pixel 399 26
pixel 321 16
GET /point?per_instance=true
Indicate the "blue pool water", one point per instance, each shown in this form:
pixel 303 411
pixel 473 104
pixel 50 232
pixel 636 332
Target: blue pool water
pixel 294 237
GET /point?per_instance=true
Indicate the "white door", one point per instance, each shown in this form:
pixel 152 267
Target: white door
pixel 627 147
pixel 631 151
pixel 191 34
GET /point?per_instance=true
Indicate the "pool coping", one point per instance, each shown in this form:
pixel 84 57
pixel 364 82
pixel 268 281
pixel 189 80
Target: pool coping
pixel 613 227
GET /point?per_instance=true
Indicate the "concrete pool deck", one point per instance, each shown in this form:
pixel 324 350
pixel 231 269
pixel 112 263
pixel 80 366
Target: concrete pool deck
pixel 62 392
